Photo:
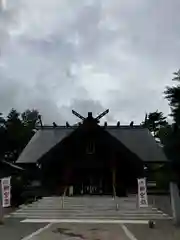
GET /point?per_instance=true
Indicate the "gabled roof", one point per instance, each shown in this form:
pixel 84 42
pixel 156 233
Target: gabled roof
pixel 41 143
pixel 137 139
pixel 140 141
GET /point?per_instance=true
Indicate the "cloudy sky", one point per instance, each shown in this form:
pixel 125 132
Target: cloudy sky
pixel 88 55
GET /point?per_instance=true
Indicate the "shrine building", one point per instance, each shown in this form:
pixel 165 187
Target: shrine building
pixel 92 158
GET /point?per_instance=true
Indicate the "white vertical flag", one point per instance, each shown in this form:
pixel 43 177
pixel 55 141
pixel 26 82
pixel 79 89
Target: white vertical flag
pixel 142 193
pixel 6 192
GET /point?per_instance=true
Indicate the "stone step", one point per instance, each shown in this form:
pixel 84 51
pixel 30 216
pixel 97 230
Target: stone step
pixel 92 201
pixel 64 212
pixel 121 217
pixel 88 208
pixel 85 213
pixel 88 211
pixel 82 206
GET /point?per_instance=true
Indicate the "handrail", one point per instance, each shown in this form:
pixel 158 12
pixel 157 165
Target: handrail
pixel 114 197
pixel 63 196
pixel 62 202
pixel 114 191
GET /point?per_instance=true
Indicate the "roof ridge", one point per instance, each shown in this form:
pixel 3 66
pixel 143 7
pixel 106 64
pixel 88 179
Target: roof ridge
pixel 106 127
pixel 126 127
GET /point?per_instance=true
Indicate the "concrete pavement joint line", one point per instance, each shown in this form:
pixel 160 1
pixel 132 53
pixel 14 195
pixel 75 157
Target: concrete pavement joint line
pixel 128 233
pixel 34 234
pixel 84 221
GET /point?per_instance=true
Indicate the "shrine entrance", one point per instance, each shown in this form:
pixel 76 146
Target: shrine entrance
pixel 92 162
pixel 92 181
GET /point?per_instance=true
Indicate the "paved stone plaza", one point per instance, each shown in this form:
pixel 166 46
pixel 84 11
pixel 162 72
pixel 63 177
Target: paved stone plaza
pixel 14 230
pixel 88 218
pixel 107 232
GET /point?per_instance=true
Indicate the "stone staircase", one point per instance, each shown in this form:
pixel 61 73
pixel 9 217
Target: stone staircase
pixel 104 208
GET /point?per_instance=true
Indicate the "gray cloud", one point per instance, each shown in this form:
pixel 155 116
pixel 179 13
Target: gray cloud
pixel 88 55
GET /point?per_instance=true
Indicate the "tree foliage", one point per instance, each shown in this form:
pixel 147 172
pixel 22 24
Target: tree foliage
pixel 154 121
pixel 173 96
pixel 15 132
pixel 169 134
pixel 2 135
pixel 171 137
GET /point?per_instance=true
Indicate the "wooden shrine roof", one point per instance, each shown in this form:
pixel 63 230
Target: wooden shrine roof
pixel 137 139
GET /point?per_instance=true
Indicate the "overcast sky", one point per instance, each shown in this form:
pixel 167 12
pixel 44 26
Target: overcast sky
pixel 88 55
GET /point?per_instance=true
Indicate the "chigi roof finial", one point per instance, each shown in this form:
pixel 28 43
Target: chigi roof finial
pixel 90 116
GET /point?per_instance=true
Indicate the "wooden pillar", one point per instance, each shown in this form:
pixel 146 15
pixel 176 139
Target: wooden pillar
pixel 114 181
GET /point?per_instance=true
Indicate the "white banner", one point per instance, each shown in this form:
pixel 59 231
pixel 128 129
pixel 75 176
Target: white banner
pixel 142 193
pixel 6 192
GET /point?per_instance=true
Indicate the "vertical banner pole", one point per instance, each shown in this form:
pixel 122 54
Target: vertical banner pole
pixel 5 196
pixel 142 193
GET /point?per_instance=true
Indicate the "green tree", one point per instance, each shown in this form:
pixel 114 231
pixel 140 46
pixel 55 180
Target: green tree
pixel 29 119
pixel 15 129
pixel 173 96
pixel 164 134
pixel 2 120
pixel 20 129
pixel 172 146
pixel 3 136
pixel 154 121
